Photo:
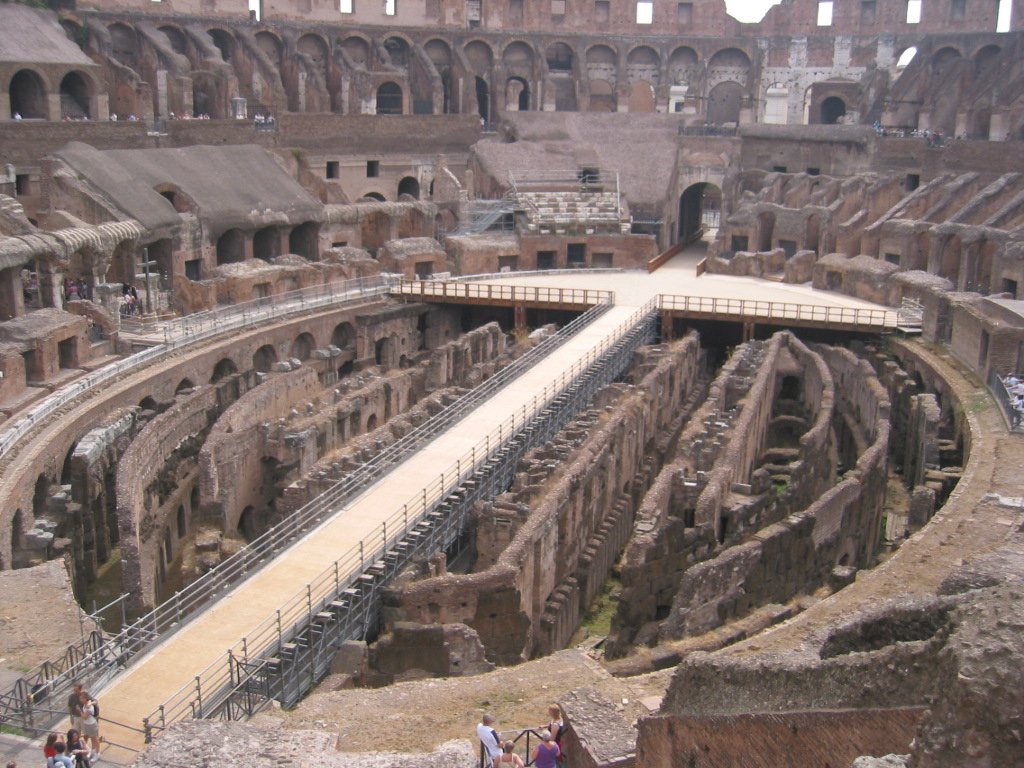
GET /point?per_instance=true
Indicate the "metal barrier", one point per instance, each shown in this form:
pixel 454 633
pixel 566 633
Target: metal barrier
pixel 102 659
pixel 997 387
pixel 292 649
pixel 526 735
pixel 193 329
pixel 779 310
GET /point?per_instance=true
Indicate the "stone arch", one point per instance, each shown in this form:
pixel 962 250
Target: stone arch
pixel 480 56
pixel 389 98
pixel 833 110
pixel 176 38
pixel 384 351
pixel 602 73
pixel 643 64
pixel 270 45
pixel 315 48
pixel 641 97
pixel 40 496
pixel 694 204
pixel 729 58
pixel 944 58
pixel 304 240
pixel 439 53
pixel 682 64
pixel 223 41
pixel 205 100
pixel 344 336
pixel 182 522
pixel 124 44
pixel 303 346
pixel 409 186
pixel 559 57
pixel 247 523
pixel 518 58
pixel 231 247
pixel 28 95
pixel 399 51
pixel 371 422
pixel 179 200
pixel 517 94
pixel 263 359
pixel 483 98
pixel 984 56
pixel 76 95
pixel 225 367
pixel 266 243
pixel 356 49
pixel 904 57
pixel 724 103
pixel 376 197
pixel 183 385
pixel 149 404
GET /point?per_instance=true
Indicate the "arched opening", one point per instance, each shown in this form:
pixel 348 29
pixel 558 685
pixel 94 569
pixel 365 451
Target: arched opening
pixel 724 103
pixel 176 38
pixel 602 97
pixel 224 367
pixel 40 496
pixel 376 197
pixel 384 352
pixel 223 41
pixel 944 59
pixel 314 49
pixel 833 109
pixel 17 537
pixel 389 99
pixel 148 404
pixel 371 422
pixel 483 100
pixel 984 57
pixel 263 359
pixel 344 336
pixel 304 241
pixel 182 522
pixel 247 525
pixel 559 58
pixel 517 95
pixel 356 49
pixel 765 230
pixel 790 388
pixel 303 346
pixel 398 51
pixel 270 46
pixel 266 244
pixel 905 58
pixel 28 96
pixel 695 205
pixel 682 64
pixel 183 385
pixel 124 45
pixel 409 186
pixel 231 247
pixel 75 97
pixel 65 469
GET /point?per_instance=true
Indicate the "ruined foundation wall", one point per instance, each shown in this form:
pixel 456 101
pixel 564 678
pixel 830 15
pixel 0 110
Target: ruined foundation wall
pixel 575 526
pixel 229 461
pixel 141 515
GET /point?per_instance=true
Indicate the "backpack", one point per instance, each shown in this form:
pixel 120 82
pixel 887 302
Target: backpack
pixel 96 709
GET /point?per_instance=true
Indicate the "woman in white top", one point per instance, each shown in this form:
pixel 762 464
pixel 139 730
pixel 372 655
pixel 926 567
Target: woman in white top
pixel 508 757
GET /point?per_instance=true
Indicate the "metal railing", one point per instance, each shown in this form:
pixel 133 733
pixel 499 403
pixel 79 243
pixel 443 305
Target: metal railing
pixel 525 294
pixel 779 310
pixel 193 329
pixel 1014 416
pixel 291 649
pixel 98 661
pixel 525 735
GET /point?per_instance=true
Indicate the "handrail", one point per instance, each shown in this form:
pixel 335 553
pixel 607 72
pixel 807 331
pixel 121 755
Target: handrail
pixel 503 292
pixel 267 638
pixel 779 310
pixel 193 329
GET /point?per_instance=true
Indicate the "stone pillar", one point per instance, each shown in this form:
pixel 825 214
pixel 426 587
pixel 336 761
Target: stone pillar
pixel 12 299
pixel 50 280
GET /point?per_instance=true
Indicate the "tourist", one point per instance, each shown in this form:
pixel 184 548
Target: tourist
pixel 556 725
pixel 90 721
pixel 48 750
pixel 508 757
pixel 75 707
pixel 488 736
pixel 77 749
pixel 17 115
pixel 546 754
pixel 59 760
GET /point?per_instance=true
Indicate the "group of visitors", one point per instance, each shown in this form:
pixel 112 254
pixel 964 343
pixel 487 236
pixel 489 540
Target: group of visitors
pixel 933 138
pixel 186 116
pixel 80 746
pixel 547 754
pixel 1015 391
pixel 130 301
pixel 131 118
pixel 75 289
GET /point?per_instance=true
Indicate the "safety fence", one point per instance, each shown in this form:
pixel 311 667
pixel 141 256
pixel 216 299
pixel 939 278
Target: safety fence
pixel 292 649
pixel 97 659
pixel 755 309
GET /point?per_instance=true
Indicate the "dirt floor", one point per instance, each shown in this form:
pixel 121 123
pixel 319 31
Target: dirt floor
pixel 421 715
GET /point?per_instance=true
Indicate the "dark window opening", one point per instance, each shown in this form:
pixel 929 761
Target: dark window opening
pixel 780 169
pixel 814 171
pixel 788 247
pixel 684 14
pixel 67 353
pixel 194 269
pixel 332 169
pixel 913 181
pixel 372 169
pixel 545 259
pixel 740 243
pixel 1010 286
pixel 21 184
pixel 577 255
pixel 893 258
